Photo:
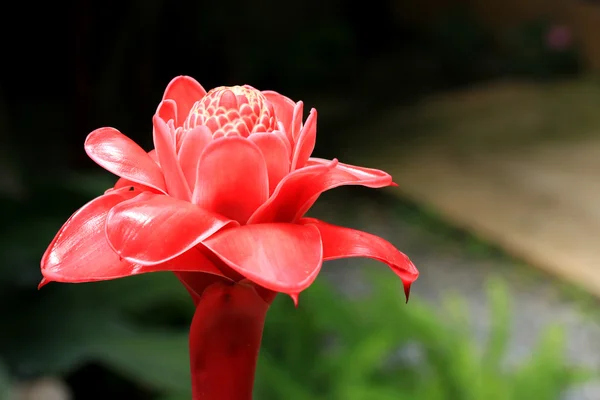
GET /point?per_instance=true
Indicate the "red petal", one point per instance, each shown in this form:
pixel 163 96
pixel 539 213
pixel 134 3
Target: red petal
pixel 296 125
pixel 295 190
pixel 276 155
pixel 232 178
pixel 341 242
pixel 167 110
pixel 152 229
pixel 345 174
pixel 193 144
pixel 122 182
pixel 283 137
pixel 373 178
pixel 305 143
pixel 186 91
pixel 165 150
pixel 284 110
pixel 280 257
pixel 120 155
pixel 81 253
pixel 153 156
pixel 299 190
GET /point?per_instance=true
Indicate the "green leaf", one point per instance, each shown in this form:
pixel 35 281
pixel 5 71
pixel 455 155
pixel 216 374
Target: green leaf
pixel 499 324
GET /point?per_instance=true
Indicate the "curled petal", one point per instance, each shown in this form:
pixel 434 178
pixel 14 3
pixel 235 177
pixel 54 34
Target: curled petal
pixel 232 178
pixel 120 155
pixel 292 193
pixel 369 177
pixel 193 144
pixel 280 257
pixel 305 143
pixel 345 174
pixel 341 242
pixel 175 181
pixel 167 110
pixel 299 190
pixel 284 109
pixel 276 155
pixel 81 253
pixel 185 91
pixel 152 229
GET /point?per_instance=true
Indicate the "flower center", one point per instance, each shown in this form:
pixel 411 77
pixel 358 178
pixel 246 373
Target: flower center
pixel 231 110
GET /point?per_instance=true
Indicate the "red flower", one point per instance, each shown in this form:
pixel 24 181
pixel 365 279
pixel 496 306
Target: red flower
pixel 221 198
pixel 223 193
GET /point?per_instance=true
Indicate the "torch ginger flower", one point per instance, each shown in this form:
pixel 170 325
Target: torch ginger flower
pixel 221 203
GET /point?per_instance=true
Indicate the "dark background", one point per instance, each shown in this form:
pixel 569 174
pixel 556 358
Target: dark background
pixel 71 67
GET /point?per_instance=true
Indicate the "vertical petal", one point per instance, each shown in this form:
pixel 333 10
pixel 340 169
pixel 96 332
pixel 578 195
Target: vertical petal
pixel 296 125
pixel 280 257
pixel 305 144
pixel 167 110
pixel 341 242
pixel 165 150
pixel 185 91
pixel 193 144
pixel 232 178
pixel 276 155
pixel 120 155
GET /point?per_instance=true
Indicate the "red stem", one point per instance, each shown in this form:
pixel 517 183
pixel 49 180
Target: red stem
pixel 225 340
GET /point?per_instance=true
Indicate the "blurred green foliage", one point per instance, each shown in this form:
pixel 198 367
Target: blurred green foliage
pixel 376 347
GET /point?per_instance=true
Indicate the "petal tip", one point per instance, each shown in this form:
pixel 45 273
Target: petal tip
pixel 406 290
pixel 43 283
pixel 295 298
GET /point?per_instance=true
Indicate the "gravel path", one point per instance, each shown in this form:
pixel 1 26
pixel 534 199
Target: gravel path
pixel 446 265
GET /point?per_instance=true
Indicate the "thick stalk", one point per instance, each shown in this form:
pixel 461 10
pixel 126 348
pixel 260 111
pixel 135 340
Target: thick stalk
pixel 225 340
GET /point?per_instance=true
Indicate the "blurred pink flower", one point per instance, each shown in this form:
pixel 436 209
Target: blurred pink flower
pixel 559 38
